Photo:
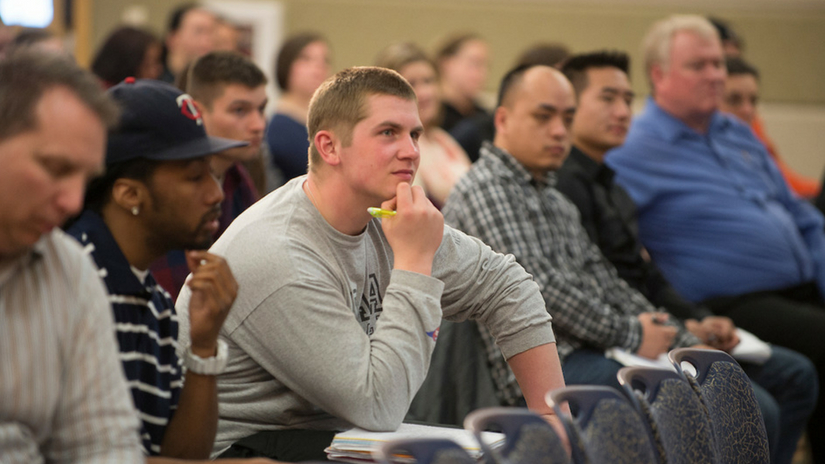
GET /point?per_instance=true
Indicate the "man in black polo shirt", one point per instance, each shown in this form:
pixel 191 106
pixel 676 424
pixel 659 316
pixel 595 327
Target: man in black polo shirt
pixel 785 384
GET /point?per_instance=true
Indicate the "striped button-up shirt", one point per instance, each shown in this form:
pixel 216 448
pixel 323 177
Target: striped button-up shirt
pixel 147 330
pixel 499 202
pixel 63 397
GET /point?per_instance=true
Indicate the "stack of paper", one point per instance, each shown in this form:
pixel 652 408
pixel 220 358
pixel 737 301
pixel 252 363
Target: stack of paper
pixel 627 358
pixel 750 349
pixel 356 445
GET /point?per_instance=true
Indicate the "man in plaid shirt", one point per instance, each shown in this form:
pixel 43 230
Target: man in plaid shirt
pixel 508 200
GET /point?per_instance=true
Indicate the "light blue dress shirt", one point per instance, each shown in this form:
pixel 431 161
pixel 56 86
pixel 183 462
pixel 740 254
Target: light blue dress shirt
pixel 714 211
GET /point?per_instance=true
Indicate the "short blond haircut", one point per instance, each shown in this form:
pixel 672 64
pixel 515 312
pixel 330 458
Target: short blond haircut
pixel 657 44
pixel 341 102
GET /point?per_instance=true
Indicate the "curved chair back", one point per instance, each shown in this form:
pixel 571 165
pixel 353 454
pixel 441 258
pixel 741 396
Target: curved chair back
pixel 606 428
pixel 734 413
pixel 528 439
pixel 424 451
pixel 676 416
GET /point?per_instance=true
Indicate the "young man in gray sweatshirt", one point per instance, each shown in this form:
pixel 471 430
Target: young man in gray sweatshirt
pixel 338 312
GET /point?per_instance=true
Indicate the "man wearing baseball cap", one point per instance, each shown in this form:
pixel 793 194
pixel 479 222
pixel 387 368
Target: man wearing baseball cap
pixel 159 194
pixel 229 90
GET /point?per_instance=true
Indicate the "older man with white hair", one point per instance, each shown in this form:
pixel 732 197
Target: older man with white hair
pixel 714 211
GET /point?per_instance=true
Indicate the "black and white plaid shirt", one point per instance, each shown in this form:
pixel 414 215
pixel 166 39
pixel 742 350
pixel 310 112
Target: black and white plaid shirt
pixel 499 202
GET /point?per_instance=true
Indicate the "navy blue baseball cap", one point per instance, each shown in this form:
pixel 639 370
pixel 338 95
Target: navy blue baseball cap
pixel 159 122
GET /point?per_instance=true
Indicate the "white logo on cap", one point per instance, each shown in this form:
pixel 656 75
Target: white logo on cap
pixel 188 108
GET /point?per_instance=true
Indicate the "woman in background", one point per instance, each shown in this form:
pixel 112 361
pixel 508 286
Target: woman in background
pixel 443 161
pixel 303 64
pixel 128 52
pixel 462 61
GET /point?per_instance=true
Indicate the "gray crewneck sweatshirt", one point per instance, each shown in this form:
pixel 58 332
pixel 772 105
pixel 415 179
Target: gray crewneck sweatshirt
pixel 324 334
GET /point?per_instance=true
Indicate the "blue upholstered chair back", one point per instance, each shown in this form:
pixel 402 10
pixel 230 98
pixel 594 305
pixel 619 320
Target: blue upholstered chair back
pixel 424 451
pixel 677 417
pixel 529 439
pixel 734 413
pixel 606 428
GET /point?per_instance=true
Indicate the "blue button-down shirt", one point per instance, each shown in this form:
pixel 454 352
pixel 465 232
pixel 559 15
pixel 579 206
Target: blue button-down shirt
pixel 714 211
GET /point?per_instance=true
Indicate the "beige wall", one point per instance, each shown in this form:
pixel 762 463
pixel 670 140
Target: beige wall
pixel 798 131
pixel 784 42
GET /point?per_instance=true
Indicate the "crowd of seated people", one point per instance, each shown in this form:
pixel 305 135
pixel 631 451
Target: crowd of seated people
pixel 184 313
pixel 608 216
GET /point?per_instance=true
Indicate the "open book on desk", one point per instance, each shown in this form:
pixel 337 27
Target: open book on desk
pixel 750 349
pixel 356 445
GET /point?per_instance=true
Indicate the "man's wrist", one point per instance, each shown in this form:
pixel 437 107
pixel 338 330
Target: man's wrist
pixel 207 365
pixel 205 351
pixel 420 266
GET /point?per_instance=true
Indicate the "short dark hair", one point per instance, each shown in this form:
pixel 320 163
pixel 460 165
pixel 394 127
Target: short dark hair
pixel 211 72
pixel 726 32
pixel 575 68
pixel 510 81
pixel 177 15
pixel 99 191
pixel 26 75
pixel 175 20
pixel 122 53
pixel 290 51
pixel 547 54
pixel 738 66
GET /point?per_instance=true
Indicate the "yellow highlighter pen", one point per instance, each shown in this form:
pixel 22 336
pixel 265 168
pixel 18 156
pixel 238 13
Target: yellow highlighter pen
pixel 380 213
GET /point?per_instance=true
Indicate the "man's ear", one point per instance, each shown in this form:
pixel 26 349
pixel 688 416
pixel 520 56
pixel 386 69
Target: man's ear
pixel 656 74
pixel 329 147
pixel 500 119
pixel 129 193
